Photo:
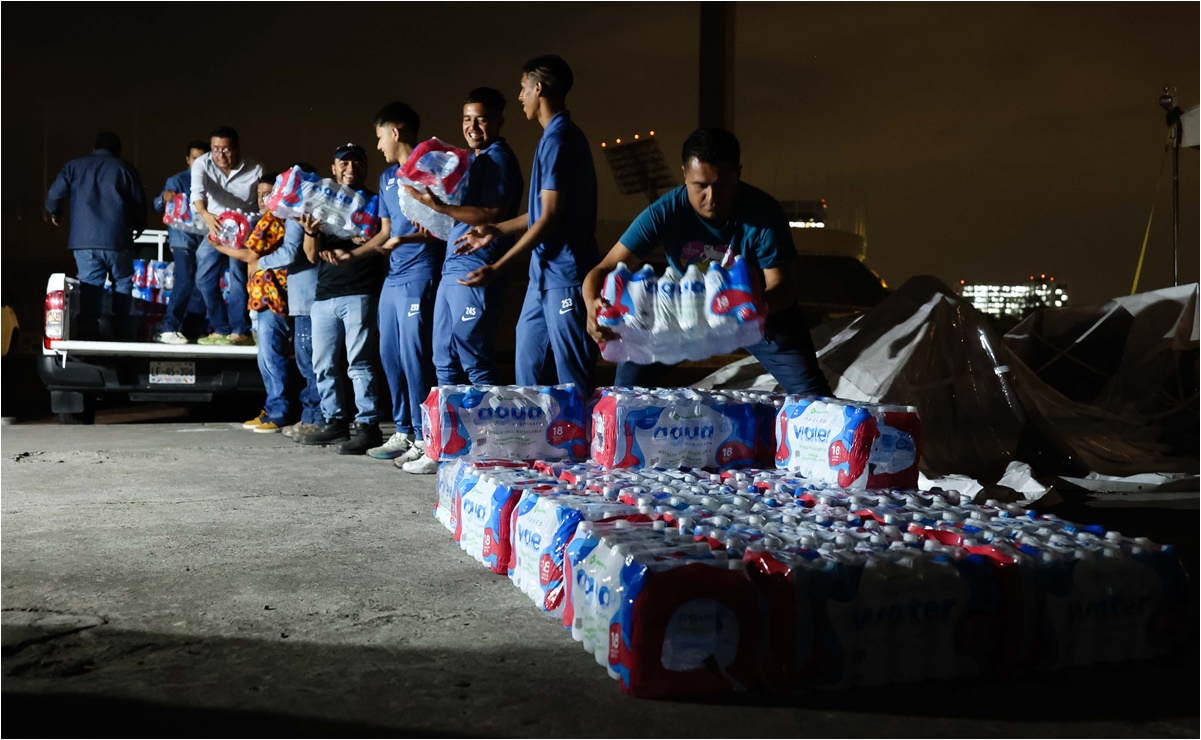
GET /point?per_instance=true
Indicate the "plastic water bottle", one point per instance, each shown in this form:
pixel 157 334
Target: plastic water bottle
pixel 722 323
pixel 691 314
pixel 643 286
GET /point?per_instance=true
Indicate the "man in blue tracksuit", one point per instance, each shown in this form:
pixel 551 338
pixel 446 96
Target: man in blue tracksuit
pixel 466 318
pixel 560 231
pixel 108 205
pixel 184 299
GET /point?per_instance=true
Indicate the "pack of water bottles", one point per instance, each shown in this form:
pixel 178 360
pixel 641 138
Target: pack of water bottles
pixel 851 445
pixel 177 214
pixel 681 428
pixel 441 170
pixel 152 280
pixel 344 212
pixel 677 317
pixel 508 422
pixel 688 582
pixel 233 227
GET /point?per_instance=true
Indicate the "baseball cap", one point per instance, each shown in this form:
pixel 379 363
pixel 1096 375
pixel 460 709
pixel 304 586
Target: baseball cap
pixel 350 151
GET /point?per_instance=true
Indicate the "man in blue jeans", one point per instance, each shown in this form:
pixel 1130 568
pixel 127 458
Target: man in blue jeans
pixel 715 213
pixel 108 210
pixel 223 180
pixel 406 300
pixel 344 320
pixel 302 288
pixel 184 301
pixel 274 329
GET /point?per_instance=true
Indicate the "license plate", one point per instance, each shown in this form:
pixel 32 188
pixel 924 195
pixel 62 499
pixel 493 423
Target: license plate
pixel 173 373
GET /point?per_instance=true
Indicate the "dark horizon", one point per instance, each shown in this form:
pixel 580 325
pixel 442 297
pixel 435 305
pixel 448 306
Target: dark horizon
pixel 984 142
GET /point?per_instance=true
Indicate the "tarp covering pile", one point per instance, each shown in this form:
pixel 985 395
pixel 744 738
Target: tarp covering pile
pixel 1106 390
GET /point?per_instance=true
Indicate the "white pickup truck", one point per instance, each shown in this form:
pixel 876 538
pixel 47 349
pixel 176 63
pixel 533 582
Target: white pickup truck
pixel 78 373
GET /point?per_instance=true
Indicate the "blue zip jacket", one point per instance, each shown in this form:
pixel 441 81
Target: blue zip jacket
pixel 177 183
pixel 107 201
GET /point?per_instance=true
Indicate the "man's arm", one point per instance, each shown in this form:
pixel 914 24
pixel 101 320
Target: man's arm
pixel 137 203
pixel 159 204
pixel 288 252
pixel 312 236
pixel 199 196
pixel 547 223
pixel 59 191
pixel 779 286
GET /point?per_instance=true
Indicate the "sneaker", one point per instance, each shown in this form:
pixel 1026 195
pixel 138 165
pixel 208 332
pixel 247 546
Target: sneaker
pixel 398 444
pixel 269 427
pixel 213 338
pixel 332 433
pixel 260 419
pixel 362 438
pixel 421 466
pixel 171 337
pixel 240 340
pixel 416 452
pixel 300 429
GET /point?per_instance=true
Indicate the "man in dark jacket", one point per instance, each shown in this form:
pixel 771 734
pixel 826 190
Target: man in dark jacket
pixel 108 210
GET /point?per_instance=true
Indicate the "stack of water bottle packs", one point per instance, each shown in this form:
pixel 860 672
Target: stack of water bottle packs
pixel 693 581
pixel 678 317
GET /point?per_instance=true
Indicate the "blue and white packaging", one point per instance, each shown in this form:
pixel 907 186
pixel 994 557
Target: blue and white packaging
pixel 486 514
pixel 681 428
pixel 851 445
pixel 543 525
pixel 508 422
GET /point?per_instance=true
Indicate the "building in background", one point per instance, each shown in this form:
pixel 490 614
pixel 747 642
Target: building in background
pixel 832 259
pixel 1015 302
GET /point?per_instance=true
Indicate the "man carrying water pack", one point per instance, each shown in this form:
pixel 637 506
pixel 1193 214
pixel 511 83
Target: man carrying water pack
pixel 715 213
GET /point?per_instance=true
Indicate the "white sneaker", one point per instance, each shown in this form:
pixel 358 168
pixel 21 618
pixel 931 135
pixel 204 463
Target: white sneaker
pixel 398 444
pixel 171 337
pixel 415 452
pixel 423 465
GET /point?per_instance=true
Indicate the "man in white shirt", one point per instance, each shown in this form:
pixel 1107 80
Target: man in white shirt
pixel 222 180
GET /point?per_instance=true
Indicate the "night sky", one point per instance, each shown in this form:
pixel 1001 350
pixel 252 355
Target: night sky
pixel 984 141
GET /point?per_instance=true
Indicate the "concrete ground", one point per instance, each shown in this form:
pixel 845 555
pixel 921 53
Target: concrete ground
pixel 196 579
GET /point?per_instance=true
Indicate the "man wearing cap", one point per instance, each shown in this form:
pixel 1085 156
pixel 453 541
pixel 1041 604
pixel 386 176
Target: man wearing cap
pixel 223 180
pixel 108 206
pixel 407 299
pixel 344 320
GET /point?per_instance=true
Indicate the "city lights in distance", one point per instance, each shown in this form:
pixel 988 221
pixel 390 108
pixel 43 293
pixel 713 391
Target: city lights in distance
pixel 806 225
pixel 1015 301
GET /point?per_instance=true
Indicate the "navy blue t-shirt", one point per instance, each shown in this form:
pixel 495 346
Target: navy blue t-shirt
pixel 757 230
pixel 408 262
pixel 493 180
pixel 563 163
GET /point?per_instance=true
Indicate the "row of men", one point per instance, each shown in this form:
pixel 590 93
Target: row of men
pixel 381 302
